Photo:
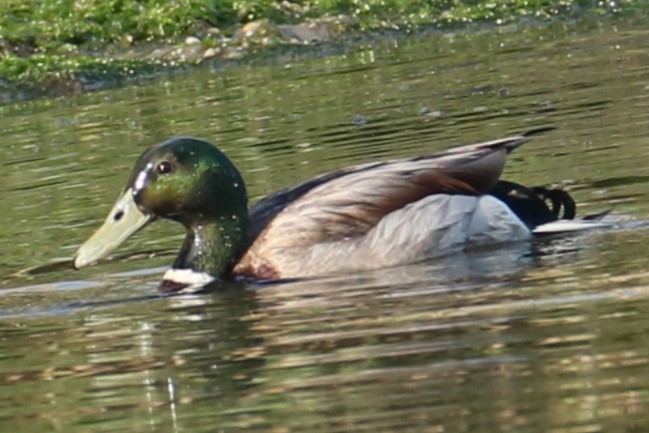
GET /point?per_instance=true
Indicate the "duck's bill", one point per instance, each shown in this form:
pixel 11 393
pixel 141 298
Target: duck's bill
pixel 122 222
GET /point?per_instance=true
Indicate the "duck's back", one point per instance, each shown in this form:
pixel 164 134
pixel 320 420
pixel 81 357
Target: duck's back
pixel 351 218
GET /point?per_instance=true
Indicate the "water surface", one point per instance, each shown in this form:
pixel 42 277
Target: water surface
pixel 546 337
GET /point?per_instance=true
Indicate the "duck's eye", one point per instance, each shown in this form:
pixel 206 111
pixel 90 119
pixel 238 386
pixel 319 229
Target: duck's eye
pixel 164 167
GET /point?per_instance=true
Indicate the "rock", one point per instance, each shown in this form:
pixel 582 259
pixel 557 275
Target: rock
pixel 211 52
pixel 321 30
pixel 260 32
pixel 191 53
pixel 214 32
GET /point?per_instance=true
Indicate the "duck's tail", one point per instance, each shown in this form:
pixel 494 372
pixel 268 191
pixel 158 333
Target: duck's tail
pixel 567 226
pixel 545 210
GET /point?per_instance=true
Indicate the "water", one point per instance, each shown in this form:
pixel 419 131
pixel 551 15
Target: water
pixel 550 337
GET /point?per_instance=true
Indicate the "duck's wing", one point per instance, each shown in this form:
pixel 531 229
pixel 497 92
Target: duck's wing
pixel 350 202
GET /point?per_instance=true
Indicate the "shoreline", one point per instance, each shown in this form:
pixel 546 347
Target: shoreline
pixel 60 63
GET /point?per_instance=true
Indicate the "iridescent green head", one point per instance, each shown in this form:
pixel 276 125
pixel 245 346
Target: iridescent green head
pixel 186 180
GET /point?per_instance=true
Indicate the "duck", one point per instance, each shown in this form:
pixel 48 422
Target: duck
pixel 368 216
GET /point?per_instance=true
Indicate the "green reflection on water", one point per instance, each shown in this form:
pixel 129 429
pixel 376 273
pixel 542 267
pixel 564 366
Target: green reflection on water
pixel 550 341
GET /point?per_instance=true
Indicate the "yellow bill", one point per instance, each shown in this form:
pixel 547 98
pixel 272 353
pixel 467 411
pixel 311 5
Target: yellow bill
pixel 123 221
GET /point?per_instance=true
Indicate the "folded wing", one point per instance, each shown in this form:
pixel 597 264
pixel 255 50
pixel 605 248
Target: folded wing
pixel 349 203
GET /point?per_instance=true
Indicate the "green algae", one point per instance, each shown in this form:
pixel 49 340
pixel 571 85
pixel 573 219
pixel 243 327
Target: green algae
pixel 55 46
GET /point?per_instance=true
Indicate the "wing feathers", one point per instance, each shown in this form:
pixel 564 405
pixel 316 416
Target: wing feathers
pixel 350 202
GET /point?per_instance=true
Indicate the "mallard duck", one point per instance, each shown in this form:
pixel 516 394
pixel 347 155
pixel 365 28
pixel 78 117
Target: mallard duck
pixel 366 216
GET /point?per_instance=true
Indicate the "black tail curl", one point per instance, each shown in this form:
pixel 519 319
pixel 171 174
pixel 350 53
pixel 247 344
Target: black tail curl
pixel 536 205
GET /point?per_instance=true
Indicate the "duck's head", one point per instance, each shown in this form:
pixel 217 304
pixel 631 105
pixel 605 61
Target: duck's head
pixel 183 179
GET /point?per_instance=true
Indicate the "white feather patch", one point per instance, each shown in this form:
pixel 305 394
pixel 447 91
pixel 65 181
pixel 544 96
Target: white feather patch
pixel 194 280
pixel 566 226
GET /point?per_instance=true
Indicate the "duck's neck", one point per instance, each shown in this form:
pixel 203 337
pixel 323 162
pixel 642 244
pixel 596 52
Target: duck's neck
pixel 213 247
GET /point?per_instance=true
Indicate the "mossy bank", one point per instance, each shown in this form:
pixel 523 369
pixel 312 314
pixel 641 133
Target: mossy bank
pixel 64 46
